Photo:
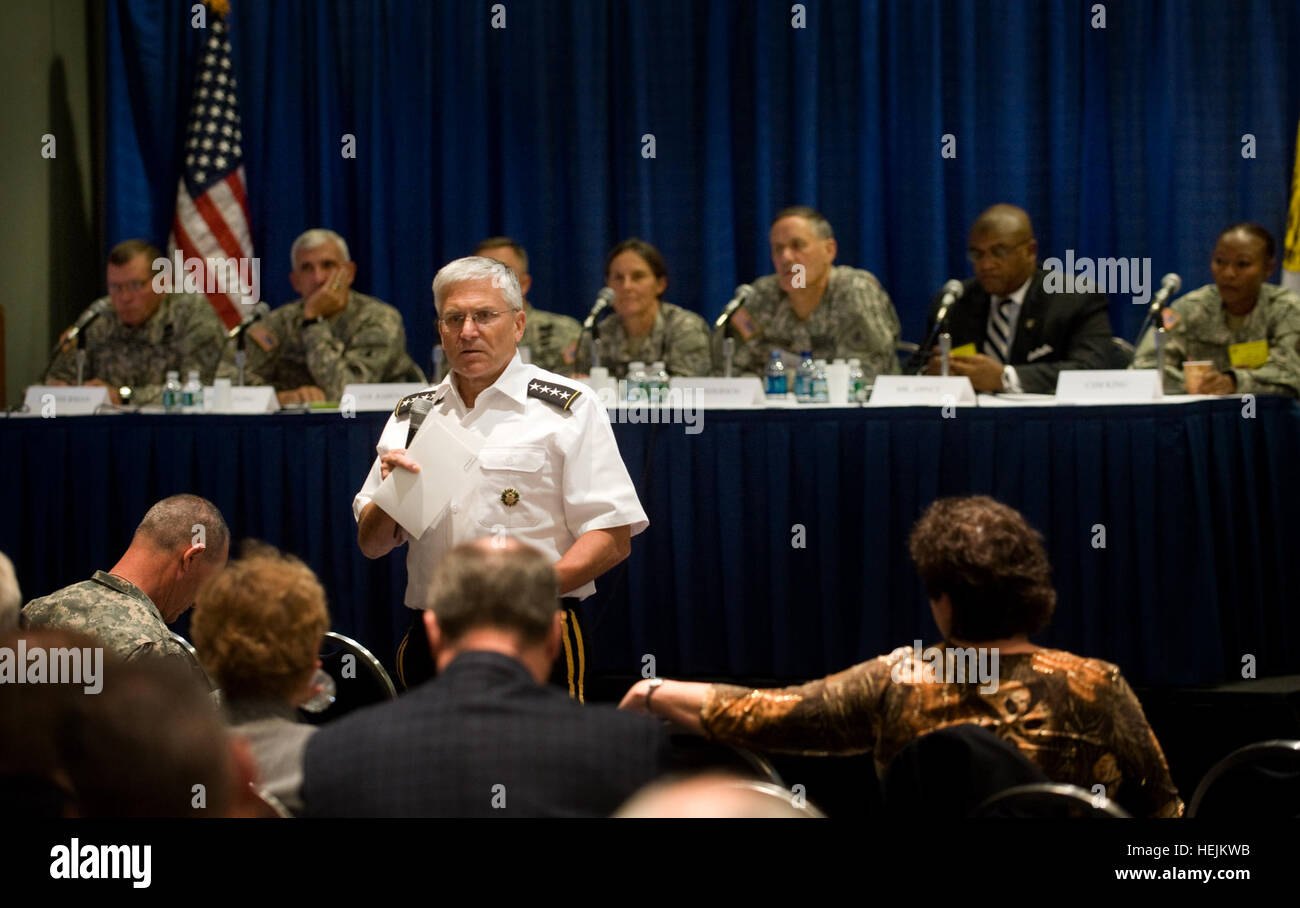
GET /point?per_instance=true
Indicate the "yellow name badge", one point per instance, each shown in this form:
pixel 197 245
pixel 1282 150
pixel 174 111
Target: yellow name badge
pixel 1249 355
pixel 963 350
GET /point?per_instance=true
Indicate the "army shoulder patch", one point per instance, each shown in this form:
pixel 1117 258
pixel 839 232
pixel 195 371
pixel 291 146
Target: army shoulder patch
pixel 404 405
pixel 1170 318
pixel 744 325
pixel 555 395
pixel 263 337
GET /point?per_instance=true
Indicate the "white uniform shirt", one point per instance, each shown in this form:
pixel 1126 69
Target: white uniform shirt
pixel 563 464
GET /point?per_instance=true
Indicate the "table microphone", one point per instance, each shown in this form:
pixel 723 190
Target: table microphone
pixel 94 312
pixel 603 299
pixel 737 300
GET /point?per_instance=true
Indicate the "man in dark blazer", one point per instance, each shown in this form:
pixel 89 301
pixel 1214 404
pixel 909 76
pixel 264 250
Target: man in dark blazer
pixel 487 737
pixel 1023 335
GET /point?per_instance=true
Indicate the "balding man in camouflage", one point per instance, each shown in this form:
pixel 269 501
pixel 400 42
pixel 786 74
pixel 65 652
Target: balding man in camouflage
pixel 810 304
pixel 330 337
pixel 551 339
pixel 140 334
pixel 182 541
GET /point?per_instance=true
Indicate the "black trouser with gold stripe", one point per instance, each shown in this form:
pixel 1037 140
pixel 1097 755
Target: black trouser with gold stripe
pixel 415 663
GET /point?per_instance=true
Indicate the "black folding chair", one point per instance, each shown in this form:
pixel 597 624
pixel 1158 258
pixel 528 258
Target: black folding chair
pixel 1258 780
pixel 359 678
pixel 1049 800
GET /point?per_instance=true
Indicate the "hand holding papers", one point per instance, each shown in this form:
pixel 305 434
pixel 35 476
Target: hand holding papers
pixel 416 501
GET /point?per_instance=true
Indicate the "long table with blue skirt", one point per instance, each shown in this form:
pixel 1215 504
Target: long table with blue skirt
pixel 777 547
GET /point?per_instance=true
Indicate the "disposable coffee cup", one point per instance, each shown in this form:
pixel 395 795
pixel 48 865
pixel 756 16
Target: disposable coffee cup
pixel 221 396
pixel 1194 372
pixel 837 383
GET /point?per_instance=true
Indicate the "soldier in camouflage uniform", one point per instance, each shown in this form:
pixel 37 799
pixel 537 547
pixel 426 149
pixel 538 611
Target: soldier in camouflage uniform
pixel 1238 308
pixel 140 334
pixel 644 328
pixel 154 582
pixel 679 339
pixel 836 312
pixel 311 348
pixel 551 339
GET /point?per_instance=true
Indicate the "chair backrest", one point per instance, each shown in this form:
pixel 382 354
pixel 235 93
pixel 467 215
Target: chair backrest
pixel 1261 779
pixel 1049 800
pixel 270 807
pixel 359 678
pixel 192 657
pixel 797 803
pixel 950 771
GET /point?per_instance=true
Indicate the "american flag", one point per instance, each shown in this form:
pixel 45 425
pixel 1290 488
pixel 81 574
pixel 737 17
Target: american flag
pixel 211 220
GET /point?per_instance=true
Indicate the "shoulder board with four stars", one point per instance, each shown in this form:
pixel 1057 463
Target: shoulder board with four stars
pixel 404 405
pixel 556 395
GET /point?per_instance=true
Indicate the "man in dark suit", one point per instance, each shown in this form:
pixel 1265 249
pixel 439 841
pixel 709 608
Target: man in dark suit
pixel 1022 334
pixel 486 737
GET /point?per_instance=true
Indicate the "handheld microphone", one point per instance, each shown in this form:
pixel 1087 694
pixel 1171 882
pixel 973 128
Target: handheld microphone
pixel 95 311
pixel 603 299
pixel 952 291
pixel 1169 285
pixel 420 408
pixel 737 300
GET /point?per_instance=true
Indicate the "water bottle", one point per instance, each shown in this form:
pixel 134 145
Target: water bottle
pixel 857 382
pixel 821 390
pixel 657 382
pixel 192 394
pixel 803 379
pixel 636 382
pixel 776 376
pixel 171 395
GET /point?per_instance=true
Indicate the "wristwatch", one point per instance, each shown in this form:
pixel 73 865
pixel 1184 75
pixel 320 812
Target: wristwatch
pixel 654 685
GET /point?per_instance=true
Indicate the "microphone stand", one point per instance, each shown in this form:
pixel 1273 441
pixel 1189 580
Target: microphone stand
pixel 241 356
pixel 81 357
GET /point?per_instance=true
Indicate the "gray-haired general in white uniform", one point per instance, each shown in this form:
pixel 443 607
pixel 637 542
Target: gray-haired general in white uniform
pixel 549 473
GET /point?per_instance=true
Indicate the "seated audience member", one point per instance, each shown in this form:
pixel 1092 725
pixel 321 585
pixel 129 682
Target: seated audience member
pixel 258 628
pixel 140 334
pixel 551 339
pixel 1248 330
pixel 11 596
pixel 33 778
pixel 708 796
pixel 330 337
pixel 115 739
pixel 988 580
pixel 487 736
pixel 833 311
pixel 645 328
pixel 151 744
pixel 1023 334
pixel 129 607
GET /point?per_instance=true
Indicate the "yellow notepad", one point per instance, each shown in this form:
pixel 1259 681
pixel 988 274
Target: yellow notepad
pixel 1250 355
pixel 963 350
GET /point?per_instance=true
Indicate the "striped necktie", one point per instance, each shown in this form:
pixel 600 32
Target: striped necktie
pixel 999 337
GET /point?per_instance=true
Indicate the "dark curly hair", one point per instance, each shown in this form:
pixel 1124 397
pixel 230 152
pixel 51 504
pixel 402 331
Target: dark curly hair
pixel 990 562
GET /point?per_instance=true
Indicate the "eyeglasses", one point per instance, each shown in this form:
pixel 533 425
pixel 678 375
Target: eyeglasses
pixel 127 286
pixel 998 252
pixel 482 318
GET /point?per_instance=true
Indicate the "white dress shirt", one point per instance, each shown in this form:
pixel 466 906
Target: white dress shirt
pixel 562 464
pixel 1010 380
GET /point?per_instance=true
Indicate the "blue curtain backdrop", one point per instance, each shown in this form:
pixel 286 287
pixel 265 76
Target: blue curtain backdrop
pixel 1122 141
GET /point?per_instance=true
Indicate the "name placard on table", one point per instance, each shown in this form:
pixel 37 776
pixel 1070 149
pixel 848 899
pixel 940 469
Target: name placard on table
pixel 377 395
pixel 1108 386
pixel 65 400
pixel 723 393
pixel 922 391
pixel 245 400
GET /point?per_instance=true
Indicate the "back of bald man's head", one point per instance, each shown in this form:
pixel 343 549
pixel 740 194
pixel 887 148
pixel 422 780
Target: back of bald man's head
pixel 496 582
pixel 1004 220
